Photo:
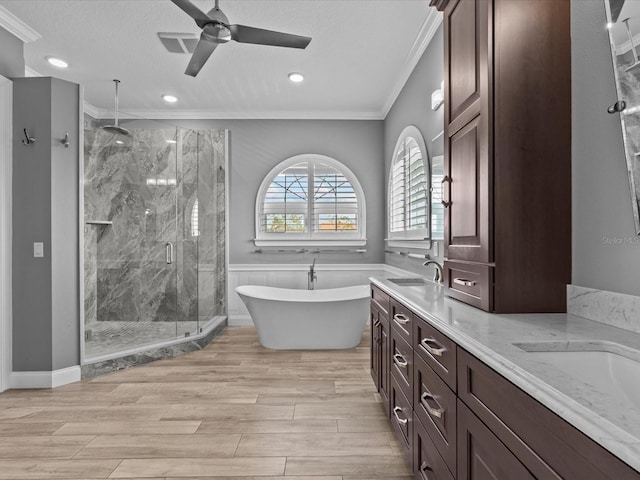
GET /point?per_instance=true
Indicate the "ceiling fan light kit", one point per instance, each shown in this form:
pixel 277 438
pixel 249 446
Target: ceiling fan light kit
pixel 216 30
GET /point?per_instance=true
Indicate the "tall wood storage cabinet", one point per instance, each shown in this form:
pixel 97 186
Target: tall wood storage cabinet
pixel 508 153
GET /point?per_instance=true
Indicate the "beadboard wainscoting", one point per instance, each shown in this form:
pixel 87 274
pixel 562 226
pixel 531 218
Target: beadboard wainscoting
pixel 295 276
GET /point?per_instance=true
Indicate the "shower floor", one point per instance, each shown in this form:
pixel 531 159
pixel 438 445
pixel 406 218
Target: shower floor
pixel 110 337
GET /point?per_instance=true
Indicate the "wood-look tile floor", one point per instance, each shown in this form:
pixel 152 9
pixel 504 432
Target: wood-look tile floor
pixel 234 410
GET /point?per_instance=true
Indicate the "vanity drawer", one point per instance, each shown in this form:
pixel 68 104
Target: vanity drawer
pixel 469 283
pixel 546 444
pixel 427 462
pixel 401 319
pixel 401 417
pixel 380 300
pixel 434 405
pixel 436 350
pixel 401 362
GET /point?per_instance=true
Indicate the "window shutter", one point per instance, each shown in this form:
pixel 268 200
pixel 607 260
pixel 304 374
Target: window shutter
pixel 409 198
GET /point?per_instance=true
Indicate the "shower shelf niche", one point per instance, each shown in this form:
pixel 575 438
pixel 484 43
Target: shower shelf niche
pixel 99 222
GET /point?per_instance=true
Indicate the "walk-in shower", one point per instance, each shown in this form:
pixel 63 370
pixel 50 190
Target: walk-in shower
pixel 154 237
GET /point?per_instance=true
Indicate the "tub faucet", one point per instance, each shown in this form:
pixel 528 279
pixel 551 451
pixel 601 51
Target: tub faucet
pixel 437 275
pixel 311 275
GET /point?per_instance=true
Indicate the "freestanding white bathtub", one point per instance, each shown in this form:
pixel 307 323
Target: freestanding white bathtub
pixel 291 319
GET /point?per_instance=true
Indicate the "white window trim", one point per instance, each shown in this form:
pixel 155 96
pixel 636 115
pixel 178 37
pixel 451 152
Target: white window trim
pixel 346 239
pixel 6 122
pixel 420 238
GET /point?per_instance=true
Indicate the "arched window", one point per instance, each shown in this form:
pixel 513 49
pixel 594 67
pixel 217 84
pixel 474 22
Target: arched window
pixel 310 199
pixel 408 194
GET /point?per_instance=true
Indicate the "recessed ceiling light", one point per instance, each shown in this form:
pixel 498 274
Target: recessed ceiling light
pixel 119 142
pixel 610 25
pixel 169 98
pixel 171 141
pixel 296 77
pixel 57 62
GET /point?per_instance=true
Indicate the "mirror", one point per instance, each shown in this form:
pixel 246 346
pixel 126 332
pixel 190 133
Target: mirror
pixel 623 23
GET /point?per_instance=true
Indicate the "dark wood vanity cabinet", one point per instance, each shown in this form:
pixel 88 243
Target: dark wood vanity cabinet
pixel 507 189
pixel 380 339
pixel 456 418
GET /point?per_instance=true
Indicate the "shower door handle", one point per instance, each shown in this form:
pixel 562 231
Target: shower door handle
pixel 169 252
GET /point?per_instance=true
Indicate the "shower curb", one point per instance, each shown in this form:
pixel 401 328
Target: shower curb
pixel 92 370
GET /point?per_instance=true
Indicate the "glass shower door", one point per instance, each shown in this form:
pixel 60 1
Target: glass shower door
pixel 131 274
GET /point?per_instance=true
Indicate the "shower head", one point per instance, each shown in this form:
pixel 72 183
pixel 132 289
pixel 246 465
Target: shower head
pixel 115 128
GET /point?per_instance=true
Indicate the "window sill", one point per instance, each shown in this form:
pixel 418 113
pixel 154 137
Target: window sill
pixel 310 243
pixel 422 244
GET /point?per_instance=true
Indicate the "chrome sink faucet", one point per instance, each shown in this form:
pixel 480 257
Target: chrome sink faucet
pixel 437 275
pixel 311 275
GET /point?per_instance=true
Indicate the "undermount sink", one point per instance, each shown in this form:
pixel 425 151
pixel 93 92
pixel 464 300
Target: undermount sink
pixel 607 366
pixel 409 282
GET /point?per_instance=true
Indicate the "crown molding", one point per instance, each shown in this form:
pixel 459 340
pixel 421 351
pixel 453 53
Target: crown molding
pixel 426 33
pixel 30 72
pixel 92 111
pixel 197 114
pixel 17 27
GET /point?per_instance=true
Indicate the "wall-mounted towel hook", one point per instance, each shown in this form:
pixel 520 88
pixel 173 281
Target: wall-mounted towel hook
pixel 65 140
pixel 27 139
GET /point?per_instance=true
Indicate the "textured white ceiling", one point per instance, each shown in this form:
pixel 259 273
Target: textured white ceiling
pixel 353 66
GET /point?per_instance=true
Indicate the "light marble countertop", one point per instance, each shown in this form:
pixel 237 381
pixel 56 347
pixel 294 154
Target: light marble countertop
pixel 612 421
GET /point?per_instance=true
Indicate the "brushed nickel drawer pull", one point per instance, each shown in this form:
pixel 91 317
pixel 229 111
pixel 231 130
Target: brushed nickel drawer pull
pixel 464 282
pixel 438 350
pixel 401 319
pixel 424 468
pixel 434 412
pixel 376 323
pixel 401 421
pixel 445 201
pixel 399 360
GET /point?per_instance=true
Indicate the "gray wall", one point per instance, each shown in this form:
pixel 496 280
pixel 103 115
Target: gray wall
pixel 413 107
pixel 601 198
pixel 11 55
pixel 46 317
pixel 256 146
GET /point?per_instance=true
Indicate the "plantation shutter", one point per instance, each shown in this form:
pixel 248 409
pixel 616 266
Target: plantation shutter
pixel 409 200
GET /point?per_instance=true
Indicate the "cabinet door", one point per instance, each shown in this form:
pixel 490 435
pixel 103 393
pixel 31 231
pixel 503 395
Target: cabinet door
pixel 468 213
pixel 467 64
pixel 468 121
pixel 481 456
pixel 385 363
pixel 375 347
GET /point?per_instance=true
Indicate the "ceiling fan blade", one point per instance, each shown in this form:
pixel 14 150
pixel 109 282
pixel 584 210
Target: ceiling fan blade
pixel 194 12
pixel 201 54
pixel 244 34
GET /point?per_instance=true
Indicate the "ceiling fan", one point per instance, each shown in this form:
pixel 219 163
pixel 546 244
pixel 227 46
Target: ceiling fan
pixel 216 30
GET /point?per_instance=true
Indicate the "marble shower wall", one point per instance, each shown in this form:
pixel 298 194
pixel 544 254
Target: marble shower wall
pixel 148 188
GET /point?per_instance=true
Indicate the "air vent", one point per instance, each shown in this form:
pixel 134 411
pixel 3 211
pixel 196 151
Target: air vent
pixel 178 42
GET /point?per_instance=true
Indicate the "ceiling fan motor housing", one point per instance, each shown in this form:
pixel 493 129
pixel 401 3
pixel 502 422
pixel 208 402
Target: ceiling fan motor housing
pixel 217 32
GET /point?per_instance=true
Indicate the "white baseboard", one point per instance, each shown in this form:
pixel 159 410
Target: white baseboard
pixel 45 379
pixel 240 320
